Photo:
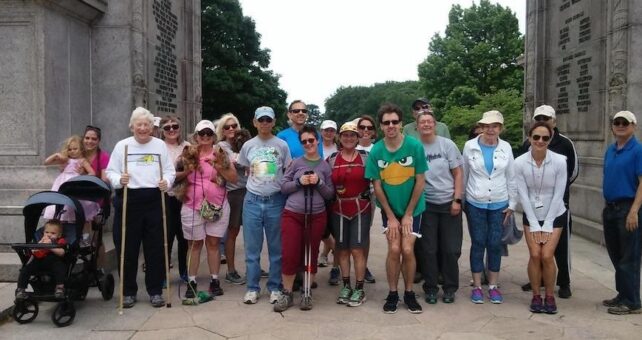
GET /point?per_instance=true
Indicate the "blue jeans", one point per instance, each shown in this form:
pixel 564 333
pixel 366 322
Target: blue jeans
pixel 262 213
pixel 623 247
pixel 485 229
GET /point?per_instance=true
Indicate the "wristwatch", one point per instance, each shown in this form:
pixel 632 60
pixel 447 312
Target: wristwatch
pixel 457 200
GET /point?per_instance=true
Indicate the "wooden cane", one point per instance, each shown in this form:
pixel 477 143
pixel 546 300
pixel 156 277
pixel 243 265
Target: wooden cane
pixel 169 302
pixel 123 230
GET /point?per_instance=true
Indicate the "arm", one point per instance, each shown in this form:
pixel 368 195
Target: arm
pixel 87 167
pixel 325 186
pixel 288 183
pixel 573 164
pixel 558 196
pixel 169 173
pixel 115 167
pixel 510 181
pixel 393 223
pixel 417 193
pixel 632 217
pixel 458 175
pixel 466 171
pixel 524 199
pixel 55 159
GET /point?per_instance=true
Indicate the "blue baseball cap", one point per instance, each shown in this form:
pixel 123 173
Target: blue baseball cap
pixel 264 111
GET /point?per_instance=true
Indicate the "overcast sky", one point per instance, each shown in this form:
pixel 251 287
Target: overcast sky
pixel 318 46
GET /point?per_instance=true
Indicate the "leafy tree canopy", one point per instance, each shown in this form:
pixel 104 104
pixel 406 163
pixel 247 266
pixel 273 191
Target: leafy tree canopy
pixel 236 77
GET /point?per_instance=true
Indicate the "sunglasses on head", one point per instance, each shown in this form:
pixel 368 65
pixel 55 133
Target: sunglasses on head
pixel 390 122
pixel 91 127
pixel 621 122
pixel 544 138
pixel 171 127
pixel 299 110
pixel 206 132
pixel 366 127
pixel 420 107
pixel 265 119
pixel 307 141
pixel 231 126
pixel 542 118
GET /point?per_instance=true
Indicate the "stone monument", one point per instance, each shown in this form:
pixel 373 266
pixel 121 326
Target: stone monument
pixel 584 58
pixel 65 64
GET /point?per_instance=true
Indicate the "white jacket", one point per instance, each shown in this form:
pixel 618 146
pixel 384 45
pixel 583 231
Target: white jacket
pixel 499 185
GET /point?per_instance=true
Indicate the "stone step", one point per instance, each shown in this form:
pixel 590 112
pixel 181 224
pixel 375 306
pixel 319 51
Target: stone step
pixel 19 177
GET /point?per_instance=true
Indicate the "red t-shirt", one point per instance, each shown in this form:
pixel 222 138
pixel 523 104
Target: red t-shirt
pixel 349 184
pixel 41 253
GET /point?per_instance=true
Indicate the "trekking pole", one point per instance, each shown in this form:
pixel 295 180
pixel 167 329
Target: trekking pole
pixel 307 242
pixel 169 297
pixel 123 230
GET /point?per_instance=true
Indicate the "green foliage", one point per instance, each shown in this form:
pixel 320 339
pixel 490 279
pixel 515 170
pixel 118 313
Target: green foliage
pixel 350 102
pixel 315 117
pixel 479 51
pixel 235 74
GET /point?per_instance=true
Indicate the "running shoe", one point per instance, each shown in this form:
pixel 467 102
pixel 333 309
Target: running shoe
pixel 537 305
pixel 357 298
pixel 390 307
pixel 344 295
pixel 495 296
pixel 410 299
pixel 550 307
pixel 477 296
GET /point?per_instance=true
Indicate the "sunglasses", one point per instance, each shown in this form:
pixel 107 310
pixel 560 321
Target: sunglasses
pixel 542 118
pixel 232 126
pixel 206 132
pixel 265 119
pixel 425 106
pixel 307 141
pixel 390 122
pixel 91 127
pixel 366 127
pixel 544 138
pixel 621 122
pixel 171 127
pixel 299 111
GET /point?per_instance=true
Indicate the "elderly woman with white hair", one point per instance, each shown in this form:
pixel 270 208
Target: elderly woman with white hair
pixel 142 164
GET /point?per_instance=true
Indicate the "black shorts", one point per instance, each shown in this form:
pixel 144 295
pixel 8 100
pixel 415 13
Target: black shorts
pixel 350 234
pixel 561 221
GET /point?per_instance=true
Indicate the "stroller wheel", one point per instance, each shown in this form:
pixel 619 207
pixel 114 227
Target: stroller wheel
pixel 25 311
pixel 107 286
pixel 64 314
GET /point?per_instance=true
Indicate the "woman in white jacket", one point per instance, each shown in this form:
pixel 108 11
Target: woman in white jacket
pixel 541 179
pixel 490 199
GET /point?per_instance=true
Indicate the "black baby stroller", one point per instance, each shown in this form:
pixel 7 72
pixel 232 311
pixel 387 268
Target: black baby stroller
pixel 80 275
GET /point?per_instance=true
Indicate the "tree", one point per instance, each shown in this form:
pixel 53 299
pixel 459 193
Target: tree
pixel 478 52
pixel 236 77
pixel 315 117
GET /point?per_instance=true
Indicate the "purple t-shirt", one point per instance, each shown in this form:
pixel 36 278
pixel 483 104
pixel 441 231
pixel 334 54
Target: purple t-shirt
pixel 321 192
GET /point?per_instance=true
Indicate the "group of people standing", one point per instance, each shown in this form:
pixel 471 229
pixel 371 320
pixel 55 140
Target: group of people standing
pixel 297 189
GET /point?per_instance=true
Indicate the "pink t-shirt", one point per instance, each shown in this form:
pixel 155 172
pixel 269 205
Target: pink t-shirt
pixel 100 162
pixel 201 182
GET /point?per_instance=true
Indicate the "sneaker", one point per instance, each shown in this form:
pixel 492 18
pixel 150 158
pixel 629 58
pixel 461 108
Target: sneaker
pixel 390 307
pixel 21 294
pixel 129 301
pixel 431 298
pixel 549 305
pixel 306 303
pixel 157 300
pixel 335 272
pixel 564 292
pixel 410 299
pixel 264 273
pixel 614 302
pixel 527 287
pixel 60 292
pixel 215 288
pixel 369 278
pixel 223 259
pixel 477 296
pixel 284 301
pixel 537 305
pixel 85 243
pixel 357 298
pixel 323 261
pixel 234 278
pixel 192 289
pixel 495 296
pixel 449 297
pixel 624 310
pixel 251 297
pixel 274 296
pixel 344 295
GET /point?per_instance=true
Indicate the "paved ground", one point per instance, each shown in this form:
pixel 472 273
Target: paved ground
pixel 581 317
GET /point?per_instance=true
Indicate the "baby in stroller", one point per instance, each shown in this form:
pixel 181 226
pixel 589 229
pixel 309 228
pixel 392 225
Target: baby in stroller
pixel 50 260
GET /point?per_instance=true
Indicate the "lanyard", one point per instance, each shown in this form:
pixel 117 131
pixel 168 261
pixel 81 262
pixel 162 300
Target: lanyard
pixel 541 182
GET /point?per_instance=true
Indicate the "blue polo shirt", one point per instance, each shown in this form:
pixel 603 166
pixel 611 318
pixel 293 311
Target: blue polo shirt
pixel 621 170
pixel 291 137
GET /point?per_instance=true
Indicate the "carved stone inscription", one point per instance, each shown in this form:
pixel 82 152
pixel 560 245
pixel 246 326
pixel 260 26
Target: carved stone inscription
pixel 166 70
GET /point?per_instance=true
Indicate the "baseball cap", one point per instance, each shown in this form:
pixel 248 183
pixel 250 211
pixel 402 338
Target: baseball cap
pixel 628 115
pixel 349 127
pixel 204 124
pixel 264 111
pixel 491 117
pixel 544 110
pixel 328 124
pixel 421 100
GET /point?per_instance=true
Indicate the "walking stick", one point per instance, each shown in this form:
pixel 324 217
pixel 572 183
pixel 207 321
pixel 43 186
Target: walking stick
pixel 123 230
pixel 307 244
pixel 169 302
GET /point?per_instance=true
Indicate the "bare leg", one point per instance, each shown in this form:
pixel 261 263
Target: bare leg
pixel 213 253
pixel 393 263
pixel 549 268
pixel 359 259
pixel 195 258
pixel 230 247
pixel 343 256
pixel 409 264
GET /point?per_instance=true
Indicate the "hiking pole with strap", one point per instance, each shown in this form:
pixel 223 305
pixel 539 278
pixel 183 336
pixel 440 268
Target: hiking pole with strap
pixel 123 230
pixel 169 296
pixel 307 245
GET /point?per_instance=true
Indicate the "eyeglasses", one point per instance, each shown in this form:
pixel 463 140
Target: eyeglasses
pixel 621 122
pixel 366 127
pixel 265 119
pixel 544 138
pixel 171 127
pixel 232 126
pixel 425 106
pixel 542 118
pixel 390 122
pixel 299 111
pixel 206 132
pixel 307 141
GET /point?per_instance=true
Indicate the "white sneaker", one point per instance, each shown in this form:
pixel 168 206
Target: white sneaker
pixel 274 296
pixel 251 297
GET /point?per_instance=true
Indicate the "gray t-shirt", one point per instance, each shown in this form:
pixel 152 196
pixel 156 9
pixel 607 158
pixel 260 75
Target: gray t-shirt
pixel 240 170
pixel 266 160
pixel 442 156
